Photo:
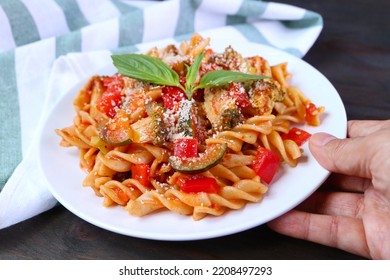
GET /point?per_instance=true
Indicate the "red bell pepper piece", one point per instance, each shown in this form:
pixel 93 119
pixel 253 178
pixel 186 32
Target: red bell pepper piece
pixel 298 135
pixel 265 164
pixel 111 99
pixel 200 184
pixel 185 148
pixel 172 95
pixel 141 173
pixel 311 111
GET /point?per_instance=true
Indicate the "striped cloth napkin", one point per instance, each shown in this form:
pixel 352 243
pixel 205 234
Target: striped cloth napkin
pixel 47 46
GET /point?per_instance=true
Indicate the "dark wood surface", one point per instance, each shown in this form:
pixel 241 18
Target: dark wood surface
pixel 353 52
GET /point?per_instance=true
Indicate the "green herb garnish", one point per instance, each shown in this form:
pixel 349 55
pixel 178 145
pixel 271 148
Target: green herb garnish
pixel 146 68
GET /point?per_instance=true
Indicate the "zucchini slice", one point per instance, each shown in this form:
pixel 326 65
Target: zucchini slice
pixel 206 160
pixel 158 129
pixel 117 131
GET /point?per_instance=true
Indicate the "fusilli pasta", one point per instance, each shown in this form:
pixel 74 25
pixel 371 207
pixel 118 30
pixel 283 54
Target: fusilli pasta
pixel 136 171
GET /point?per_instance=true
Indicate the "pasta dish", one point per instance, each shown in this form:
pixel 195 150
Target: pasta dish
pixel 188 129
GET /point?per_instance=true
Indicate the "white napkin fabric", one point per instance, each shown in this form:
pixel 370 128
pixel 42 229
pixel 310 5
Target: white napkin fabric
pixel 68 41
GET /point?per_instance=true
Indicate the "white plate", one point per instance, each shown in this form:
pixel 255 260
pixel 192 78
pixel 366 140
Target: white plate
pixel 290 187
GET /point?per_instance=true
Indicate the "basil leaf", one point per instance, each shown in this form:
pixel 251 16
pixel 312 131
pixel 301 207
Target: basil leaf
pixel 145 68
pixel 192 74
pixel 223 77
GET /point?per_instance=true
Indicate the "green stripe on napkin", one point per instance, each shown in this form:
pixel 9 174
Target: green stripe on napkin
pixel 10 137
pixel 124 8
pixel 68 43
pixel 185 22
pixel 74 16
pixel 131 28
pixel 247 8
pixel 22 24
pixel 252 8
pixel 310 19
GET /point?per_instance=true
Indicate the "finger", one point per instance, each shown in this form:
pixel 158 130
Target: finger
pixel 335 231
pixel 348 183
pixel 366 127
pixel 365 157
pixel 376 218
pixel 334 203
pixel 347 156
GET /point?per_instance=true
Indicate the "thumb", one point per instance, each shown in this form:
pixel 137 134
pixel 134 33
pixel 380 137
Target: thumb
pixel 345 156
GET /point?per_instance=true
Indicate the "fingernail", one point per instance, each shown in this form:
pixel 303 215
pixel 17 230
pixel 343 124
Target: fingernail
pixel 321 138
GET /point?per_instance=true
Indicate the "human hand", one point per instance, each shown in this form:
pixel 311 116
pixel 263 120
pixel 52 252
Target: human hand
pixel 355 214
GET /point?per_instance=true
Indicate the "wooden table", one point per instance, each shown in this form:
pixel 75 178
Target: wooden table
pixel 353 52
